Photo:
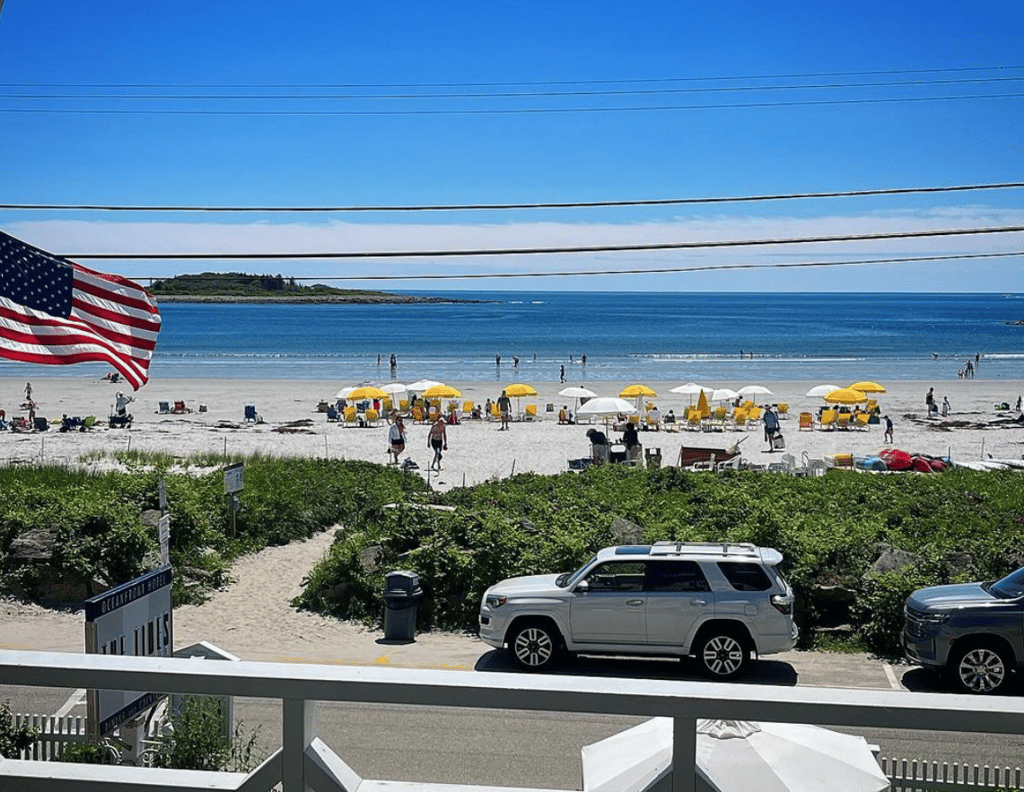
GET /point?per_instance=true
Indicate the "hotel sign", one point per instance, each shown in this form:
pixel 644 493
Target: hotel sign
pixel 134 618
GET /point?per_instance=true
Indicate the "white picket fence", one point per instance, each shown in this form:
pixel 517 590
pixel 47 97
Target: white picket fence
pixel 918 775
pixel 56 732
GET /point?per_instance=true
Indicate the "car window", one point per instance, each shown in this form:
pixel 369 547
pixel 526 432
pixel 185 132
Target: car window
pixel 617 576
pixel 675 576
pixel 1011 586
pixel 745 576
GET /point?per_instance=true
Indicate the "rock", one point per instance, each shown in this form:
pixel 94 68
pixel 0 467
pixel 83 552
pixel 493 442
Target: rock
pixel 891 559
pixel 34 545
pixel 369 558
pixel 626 532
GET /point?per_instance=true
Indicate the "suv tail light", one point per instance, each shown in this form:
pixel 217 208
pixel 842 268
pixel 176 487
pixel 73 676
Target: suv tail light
pixel 783 604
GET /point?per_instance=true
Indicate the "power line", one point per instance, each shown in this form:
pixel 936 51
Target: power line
pixel 626 81
pixel 512 94
pixel 650 271
pixel 550 250
pixel 513 111
pixel 548 205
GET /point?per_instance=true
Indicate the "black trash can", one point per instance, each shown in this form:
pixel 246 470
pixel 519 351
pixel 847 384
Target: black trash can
pixel 402 595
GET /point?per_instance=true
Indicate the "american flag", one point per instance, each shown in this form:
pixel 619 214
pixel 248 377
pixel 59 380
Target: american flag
pixel 54 311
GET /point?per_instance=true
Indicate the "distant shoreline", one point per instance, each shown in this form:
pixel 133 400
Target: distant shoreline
pixel 356 299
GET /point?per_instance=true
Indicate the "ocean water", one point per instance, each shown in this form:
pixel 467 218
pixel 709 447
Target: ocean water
pixel 644 336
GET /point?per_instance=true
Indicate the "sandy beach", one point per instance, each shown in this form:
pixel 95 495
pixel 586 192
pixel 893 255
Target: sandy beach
pixel 478 451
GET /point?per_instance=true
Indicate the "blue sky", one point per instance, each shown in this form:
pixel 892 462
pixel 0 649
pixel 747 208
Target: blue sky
pixel 756 98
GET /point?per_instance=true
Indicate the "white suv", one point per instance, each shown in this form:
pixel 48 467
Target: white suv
pixel 717 602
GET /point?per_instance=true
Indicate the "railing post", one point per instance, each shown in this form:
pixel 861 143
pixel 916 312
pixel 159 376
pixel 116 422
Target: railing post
pixel 298 730
pixel 684 754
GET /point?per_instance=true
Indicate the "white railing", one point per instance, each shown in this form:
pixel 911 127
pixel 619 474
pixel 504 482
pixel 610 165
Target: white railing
pixel 56 731
pixel 305 762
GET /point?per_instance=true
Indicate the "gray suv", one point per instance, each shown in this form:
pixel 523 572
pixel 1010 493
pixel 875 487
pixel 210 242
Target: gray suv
pixel 718 602
pixel 973 632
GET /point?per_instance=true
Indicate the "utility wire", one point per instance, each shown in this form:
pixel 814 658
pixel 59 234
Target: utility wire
pixel 652 271
pixel 512 111
pixel 549 205
pixel 635 81
pixel 513 94
pixel 550 250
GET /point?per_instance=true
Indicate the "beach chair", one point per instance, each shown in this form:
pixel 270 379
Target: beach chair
pixel 843 421
pixel 827 422
pixel 467 409
pixel 806 421
pixel 180 408
pixel 783 410
pixel 531 413
pixel 163 408
pixel 861 421
pixel 417 415
pixel 250 413
pixel 693 420
pixel 739 418
pixel 351 416
pixel 41 424
pixel 495 414
pixel 403 406
pixel 387 405
pixel 372 417
pixel 753 416
pixel 332 413
pixel 653 424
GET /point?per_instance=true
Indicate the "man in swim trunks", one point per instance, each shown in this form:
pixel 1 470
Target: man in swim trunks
pixel 396 438
pixel 437 439
pixel 505 408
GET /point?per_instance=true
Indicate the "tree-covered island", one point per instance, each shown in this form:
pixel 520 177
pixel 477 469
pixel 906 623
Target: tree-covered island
pixel 242 287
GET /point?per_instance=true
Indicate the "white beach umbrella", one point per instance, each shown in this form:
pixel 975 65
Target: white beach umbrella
pixel 394 387
pixel 344 392
pixel 754 390
pixel 736 756
pixel 607 406
pixel 577 392
pixel 724 394
pixel 689 389
pixel 821 390
pixel 421 385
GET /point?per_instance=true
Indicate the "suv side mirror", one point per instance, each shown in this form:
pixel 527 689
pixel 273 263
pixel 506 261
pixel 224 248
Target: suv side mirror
pixel 583 587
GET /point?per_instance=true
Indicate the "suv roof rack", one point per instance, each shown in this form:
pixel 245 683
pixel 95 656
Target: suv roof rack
pixel 705 548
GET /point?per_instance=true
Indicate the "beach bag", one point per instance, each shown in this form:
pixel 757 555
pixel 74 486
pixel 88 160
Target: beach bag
pixel 778 441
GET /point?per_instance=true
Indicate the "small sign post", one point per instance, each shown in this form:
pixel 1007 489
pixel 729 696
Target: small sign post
pixel 234 482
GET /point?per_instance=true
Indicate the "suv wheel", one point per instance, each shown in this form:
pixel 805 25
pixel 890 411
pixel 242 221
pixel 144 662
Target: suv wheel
pixel 721 654
pixel 534 646
pixel 979 669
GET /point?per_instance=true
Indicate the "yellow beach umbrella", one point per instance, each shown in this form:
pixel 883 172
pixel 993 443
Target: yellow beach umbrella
pixel 367 392
pixel 442 392
pixel 632 391
pixel 519 390
pixel 845 396
pixel 702 405
pixel 868 387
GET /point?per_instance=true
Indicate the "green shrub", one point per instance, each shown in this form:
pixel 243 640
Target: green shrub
pixel 14 739
pixel 197 740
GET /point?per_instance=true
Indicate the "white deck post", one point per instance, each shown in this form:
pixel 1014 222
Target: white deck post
pixel 684 754
pixel 298 731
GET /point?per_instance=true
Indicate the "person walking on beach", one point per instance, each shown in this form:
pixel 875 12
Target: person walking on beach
pixel 929 401
pixel 888 430
pixel 505 408
pixel 945 406
pixel 437 439
pixel 28 391
pixel 771 427
pixel 396 438
pixel 561 374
